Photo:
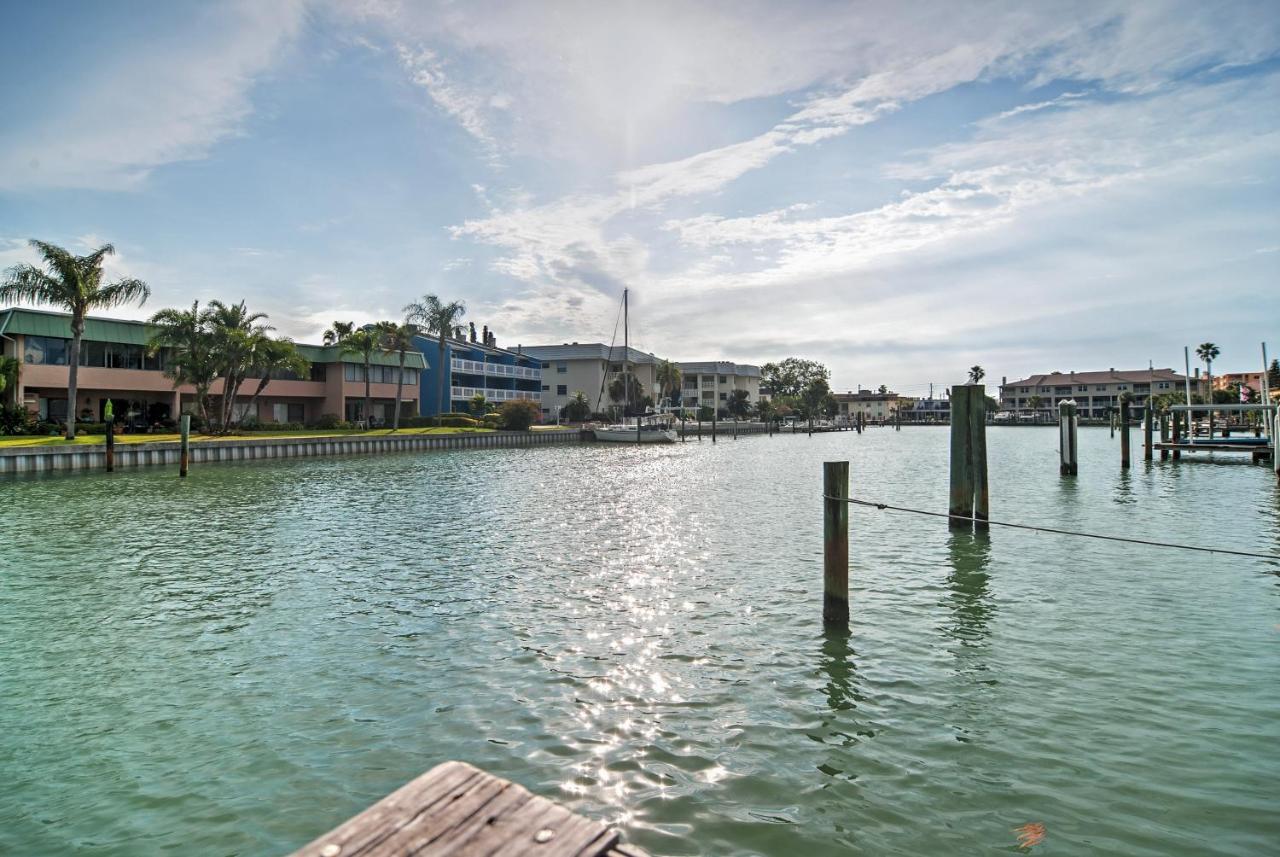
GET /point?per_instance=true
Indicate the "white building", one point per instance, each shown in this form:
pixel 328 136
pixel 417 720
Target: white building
pixel 879 407
pixel 588 368
pixel 710 383
pixel 1095 393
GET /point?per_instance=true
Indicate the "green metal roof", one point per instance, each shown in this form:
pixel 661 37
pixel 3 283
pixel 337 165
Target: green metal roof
pixel 33 322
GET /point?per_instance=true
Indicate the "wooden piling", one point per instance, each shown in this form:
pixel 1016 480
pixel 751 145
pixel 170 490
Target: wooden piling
pixel 978 455
pixel 1164 436
pixel 715 418
pixel 699 426
pixel 184 456
pixel 1111 420
pixel 1068 448
pixel 835 543
pixel 111 444
pixel 1147 431
pixel 1124 434
pixel 1177 433
pixel 961 505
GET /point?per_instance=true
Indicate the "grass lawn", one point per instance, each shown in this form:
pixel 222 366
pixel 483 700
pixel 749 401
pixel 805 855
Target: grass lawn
pixel 34 440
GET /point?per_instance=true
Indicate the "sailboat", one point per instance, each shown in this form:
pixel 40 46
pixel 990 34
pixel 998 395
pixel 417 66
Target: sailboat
pixel 649 427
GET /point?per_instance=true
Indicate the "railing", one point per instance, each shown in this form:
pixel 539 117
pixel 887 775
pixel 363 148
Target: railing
pixel 500 370
pixel 495 395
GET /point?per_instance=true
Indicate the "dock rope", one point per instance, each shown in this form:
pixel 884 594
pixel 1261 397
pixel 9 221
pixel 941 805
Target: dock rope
pixel 1055 531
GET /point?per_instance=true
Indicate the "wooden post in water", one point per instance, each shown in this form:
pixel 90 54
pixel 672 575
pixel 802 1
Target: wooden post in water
pixel 111 444
pixel 715 417
pixel 1164 436
pixel 1068 458
pixel 699 425
pixel 735 428
pixel 682 427
pixel 1111 419
pixel 1124 434
pixel 978 455
pixel 969 493
pixel 1177 434
pixel 1147 430
pixel 810 426
pixel 184 456
pixel 835 543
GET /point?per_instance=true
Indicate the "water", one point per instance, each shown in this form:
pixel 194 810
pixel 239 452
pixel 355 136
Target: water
pixel 235 663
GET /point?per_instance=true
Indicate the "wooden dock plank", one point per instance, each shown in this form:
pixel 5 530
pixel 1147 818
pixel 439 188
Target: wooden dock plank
pixel 460 811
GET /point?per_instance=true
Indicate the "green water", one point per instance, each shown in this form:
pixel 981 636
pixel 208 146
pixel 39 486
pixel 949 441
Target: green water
pixel 235 663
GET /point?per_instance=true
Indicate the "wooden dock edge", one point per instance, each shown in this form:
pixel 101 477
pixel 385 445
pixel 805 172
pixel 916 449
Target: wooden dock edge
pixel 458 809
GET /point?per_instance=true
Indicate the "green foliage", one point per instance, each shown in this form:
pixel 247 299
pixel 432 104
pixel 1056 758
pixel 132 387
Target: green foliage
pixel 1273 375
pixel 15 419
pixel 457 422
pixel 9 369
pixel 493 421
pixel 578 409
pixel 668 377
pixel 705 413
pixel 330 421
pixel 519 415
pixel 626 386
pixel 814 397
pixel 739 404
pixel 976 374
pixel 792 376
pixel 438 319
pixel 479 405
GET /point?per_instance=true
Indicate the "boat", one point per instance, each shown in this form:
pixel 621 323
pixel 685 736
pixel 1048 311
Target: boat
pixel 650 427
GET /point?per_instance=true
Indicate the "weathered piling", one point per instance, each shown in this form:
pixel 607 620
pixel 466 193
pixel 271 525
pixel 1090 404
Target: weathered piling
pixel 111 444
pixel 1177 434
pixel 970 495
pixel 715 416
pixel 1147 433
pixel 1111 420
pixel 1068 424
pixel 1164 436
pixel 835 542
pixel 699 425
pixel 1124 434
pixel 185 453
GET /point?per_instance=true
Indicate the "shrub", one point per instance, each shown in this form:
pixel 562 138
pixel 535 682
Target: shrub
pixel 92 428
pixel 47 427
pixel 417 422
pixel 493 421
pixel 455 414
pixel 16 420
pixel 330 421
pixel 519 415
pixel 448 421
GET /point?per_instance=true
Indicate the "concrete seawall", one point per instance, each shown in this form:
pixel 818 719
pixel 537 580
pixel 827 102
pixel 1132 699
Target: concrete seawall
pixel 94 457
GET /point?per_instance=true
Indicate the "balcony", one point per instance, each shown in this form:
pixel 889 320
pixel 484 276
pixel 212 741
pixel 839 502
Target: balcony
pixel 493 395
pixel 496 370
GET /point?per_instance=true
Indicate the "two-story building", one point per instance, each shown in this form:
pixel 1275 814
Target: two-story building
pixel 873 405
pixel 588 368
pixel 116 364
pixel 476 365
pixel 710 383
pixel 1096 394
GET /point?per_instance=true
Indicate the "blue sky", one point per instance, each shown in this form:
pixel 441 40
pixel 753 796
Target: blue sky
pixel 899 190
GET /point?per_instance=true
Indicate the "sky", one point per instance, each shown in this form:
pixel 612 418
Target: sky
pixel 900 190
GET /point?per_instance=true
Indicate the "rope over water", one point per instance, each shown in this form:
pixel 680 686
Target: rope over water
pixel 1055 531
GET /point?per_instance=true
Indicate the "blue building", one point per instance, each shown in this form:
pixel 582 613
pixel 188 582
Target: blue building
pixel 475 365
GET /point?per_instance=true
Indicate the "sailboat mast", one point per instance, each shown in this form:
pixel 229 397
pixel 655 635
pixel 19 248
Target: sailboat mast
pixel 626 348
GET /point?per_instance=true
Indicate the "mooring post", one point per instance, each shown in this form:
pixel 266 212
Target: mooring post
pixel 735 428
pixel 186 445
pixel 978 455
pixel 1147 430
pixel 111 443
pixel 810 432
pixel 715 416
pixel 1111 419
pixel 699 425
pixel 1124 434
pixel 835 542
pixel 961 505
pixel 1068 461
pixel 1275 441
pixel 682 428
pixel 1164 436
pixel 1177 434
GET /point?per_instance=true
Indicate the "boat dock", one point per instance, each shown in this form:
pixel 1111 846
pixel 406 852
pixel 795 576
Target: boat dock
pixel 458 809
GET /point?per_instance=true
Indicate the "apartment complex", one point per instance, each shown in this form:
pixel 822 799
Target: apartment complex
pixel 710 383
pixel 1253 380
pixel 588 368
pixel 115 364
pixel 1095 393
pixel 476 365
pixel 871 404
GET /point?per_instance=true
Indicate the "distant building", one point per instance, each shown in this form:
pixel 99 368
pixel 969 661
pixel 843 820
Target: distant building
pixel 115 365
pixel 871 404
pixel 928 410
pixel 475 364
pixel 1252 380
pixel 710 383
pixel 1095 393
pixel 588 368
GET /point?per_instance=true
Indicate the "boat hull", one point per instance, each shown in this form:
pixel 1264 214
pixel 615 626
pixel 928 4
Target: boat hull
pixel 630 436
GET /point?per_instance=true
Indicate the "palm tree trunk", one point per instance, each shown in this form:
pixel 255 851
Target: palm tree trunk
pixel 368 371
pixel 262 385
pixel 395 425
pixel 73 361
pixel 444 377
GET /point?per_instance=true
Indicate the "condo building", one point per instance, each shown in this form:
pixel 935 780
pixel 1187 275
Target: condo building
pixel 871 404
pixel 710 383
pixel 115 364
pixel 1095 393
pixel 474 364
pixel 588 368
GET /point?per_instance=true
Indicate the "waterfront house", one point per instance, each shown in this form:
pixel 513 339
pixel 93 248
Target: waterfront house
pixel 475 364
pixel 115 365
pixel 1095 393
pixel 872 404
pixel 589 368
pixel 710 383
pixel 1252 380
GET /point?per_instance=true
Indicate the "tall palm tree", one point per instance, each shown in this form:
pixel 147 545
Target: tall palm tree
pixel 976 374
pixel 191 357
pixel 438 319
pixel 668 376
pixel 273 356
pixel 73 283
pixel 236 332
pixel 361 342
pixel 398 338
pixel 1208 352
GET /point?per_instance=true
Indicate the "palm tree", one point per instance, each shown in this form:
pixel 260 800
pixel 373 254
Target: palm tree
pixel 9 369
pixel 1208 352
pixel 236 333
pixel 437 318
pixel 191 357
pixel 1035 402
pixel 398 338
pixel 73 283
pixel 976 374
pixel 361 343
pixel 577 409
pixel 273 356
pixel 668 376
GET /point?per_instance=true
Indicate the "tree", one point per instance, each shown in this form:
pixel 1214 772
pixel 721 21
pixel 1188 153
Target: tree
pixel 884 391
pixel 236 333
pixel 976 374
pixel 668 377
pixel 1273 375
pixel 399 338
pixel 479 406
pixel 73 283
pixel 519 414
pixel 272 357
pixel 1208 352
pixel 438 319
pixel 739 404
pixel 830 407
pixel 814 397
pixel 577 409
pixel 792 376
pixel 362 343
pixel 191 359
pixel 765 410
pixel 1035 402
pixel 9 369
pixel 628 384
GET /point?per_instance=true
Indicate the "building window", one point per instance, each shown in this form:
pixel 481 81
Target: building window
pixel 724 396
pixel 317 372
pixel 562 368
pixel 724 379
pixel 546 388
pixel 1083 388
pixel 546 365
pixel 562 389
pixel 45 350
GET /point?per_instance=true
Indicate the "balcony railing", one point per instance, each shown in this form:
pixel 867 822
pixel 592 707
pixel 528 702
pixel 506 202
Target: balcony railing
pixel 497 370
pixel 495 395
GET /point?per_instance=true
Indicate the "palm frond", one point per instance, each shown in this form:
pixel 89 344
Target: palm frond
pixel 126 291
pixel 29 284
